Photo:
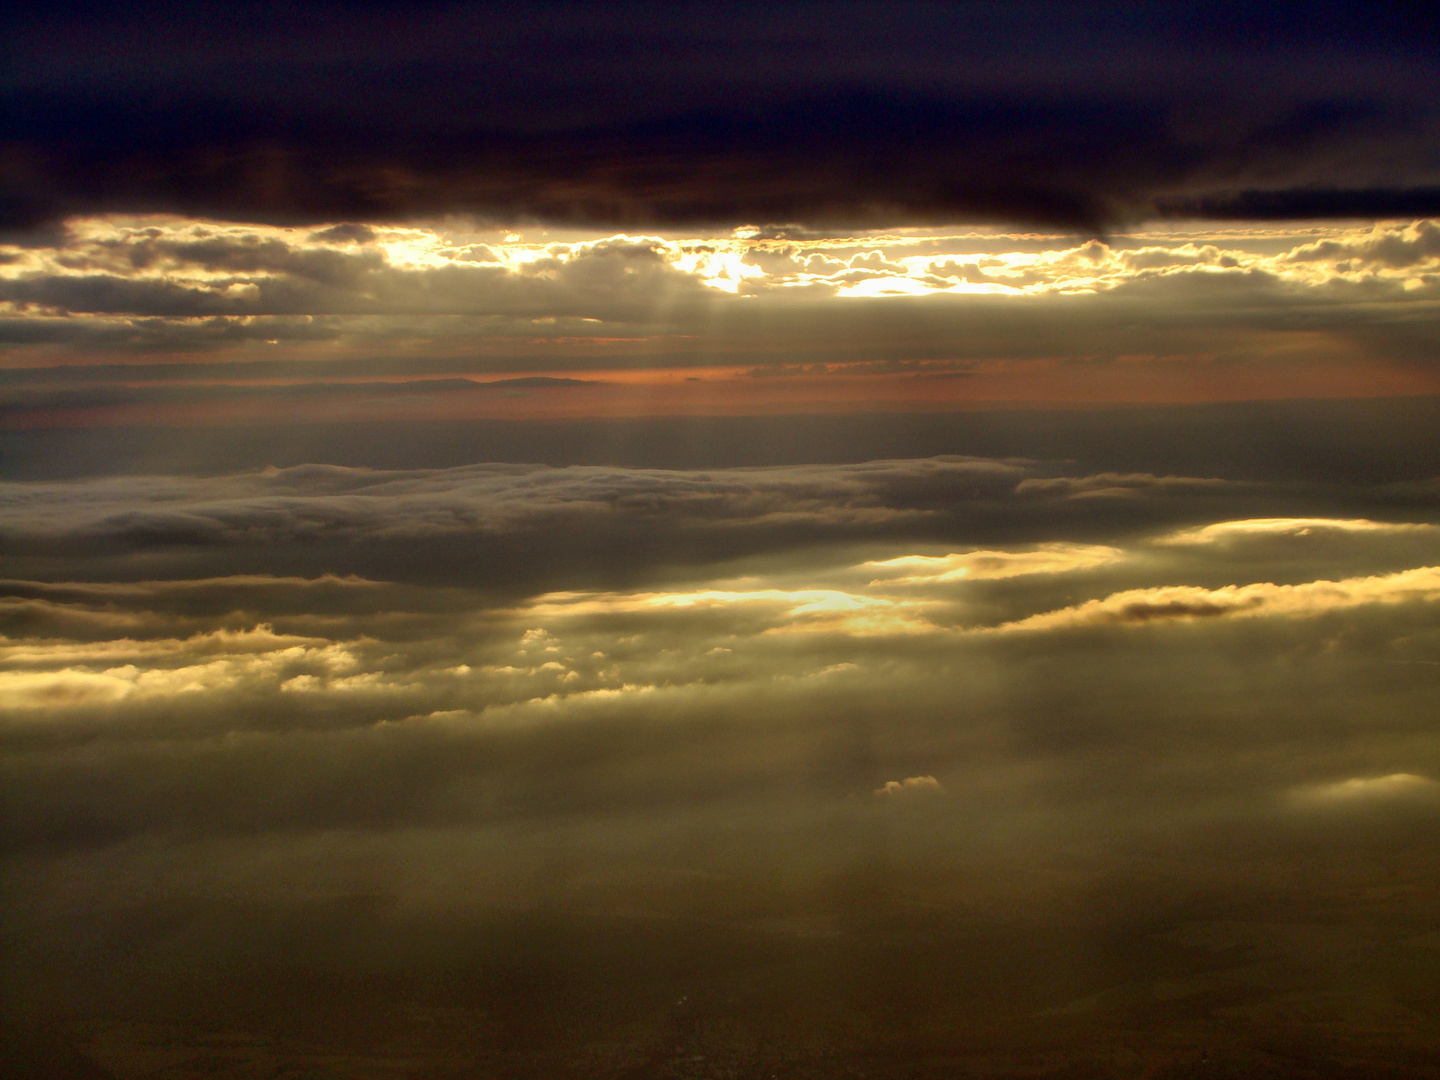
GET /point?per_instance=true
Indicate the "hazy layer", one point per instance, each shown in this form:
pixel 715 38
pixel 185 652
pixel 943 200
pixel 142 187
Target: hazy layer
pixel 887 758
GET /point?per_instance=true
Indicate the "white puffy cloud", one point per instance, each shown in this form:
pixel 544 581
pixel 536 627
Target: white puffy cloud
pixel 910 787
pixel 40 675
pixel 1383 247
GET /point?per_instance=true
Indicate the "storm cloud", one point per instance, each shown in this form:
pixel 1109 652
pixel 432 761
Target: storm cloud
pixel 1081 118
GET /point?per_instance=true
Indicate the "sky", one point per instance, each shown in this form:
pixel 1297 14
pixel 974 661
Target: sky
pixel 842 540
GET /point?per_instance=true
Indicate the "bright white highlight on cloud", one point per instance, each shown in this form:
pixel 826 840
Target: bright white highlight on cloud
pixel 1260 527
pixel 1368 789
pixel 1184 602
pixel 169 267
pixel 789 609
pixel 977 565
pixel 261 639
pixel 910 786
pixel 58 674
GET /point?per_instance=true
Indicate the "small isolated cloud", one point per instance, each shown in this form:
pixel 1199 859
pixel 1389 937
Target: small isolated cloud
pixel 910 787
pixel 1407 787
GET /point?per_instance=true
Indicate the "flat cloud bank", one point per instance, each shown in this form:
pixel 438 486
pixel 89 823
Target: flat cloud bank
pixel 605 767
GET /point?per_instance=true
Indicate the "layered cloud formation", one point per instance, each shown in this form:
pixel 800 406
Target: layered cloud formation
pixel 172 321
pixel 168 267
pixel 519 725
pixel 431 688
pixel 744 541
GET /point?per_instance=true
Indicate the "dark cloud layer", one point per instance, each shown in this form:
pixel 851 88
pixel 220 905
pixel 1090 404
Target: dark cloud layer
pixel 1082 116
pixel 515 529
pixel 1316 442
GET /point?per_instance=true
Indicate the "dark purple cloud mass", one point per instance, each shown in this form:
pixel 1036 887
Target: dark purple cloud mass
pixel 1079 116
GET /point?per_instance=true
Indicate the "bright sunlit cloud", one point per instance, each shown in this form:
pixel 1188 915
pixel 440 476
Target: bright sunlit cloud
pixel 236 268
pixel 1368 790
pixel 979 565
pixel 1136 607
pixel 787 609
pixel 1222 531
